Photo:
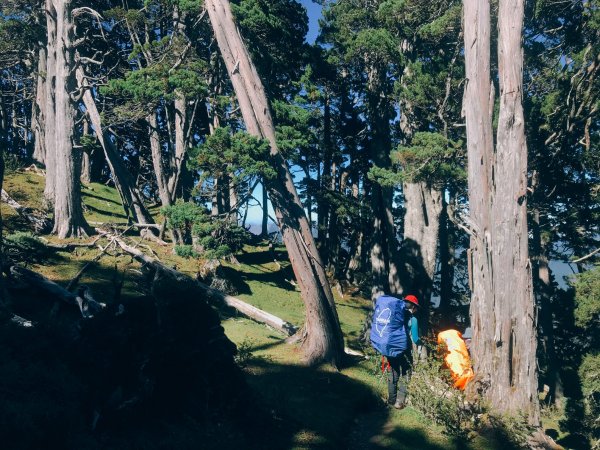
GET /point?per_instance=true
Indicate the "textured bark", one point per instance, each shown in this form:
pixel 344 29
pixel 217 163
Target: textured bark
pixel 157 160
pixel 323 341
pixel 423 205
pixel 502 307
pixel 384 242
pixel 86 160
pixel 38 113
pixel 124 182
pixel 68 213
pixel 50 110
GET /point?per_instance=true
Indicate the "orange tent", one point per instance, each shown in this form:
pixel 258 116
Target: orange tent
pixel 457 359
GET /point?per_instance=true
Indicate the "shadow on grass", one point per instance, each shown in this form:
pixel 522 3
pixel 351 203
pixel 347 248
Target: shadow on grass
pixel 104 199
pixel 263 257
pixel 240 278
pixel 105 212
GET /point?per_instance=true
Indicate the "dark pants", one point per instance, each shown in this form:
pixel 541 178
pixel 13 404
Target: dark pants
pixel 401 367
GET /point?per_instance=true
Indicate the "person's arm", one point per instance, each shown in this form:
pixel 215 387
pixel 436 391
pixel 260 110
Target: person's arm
pixel 414 331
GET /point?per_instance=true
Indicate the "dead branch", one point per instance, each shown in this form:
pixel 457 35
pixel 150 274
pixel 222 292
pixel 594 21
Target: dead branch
pixel 213 294
pixel 87 306
pixel 583 258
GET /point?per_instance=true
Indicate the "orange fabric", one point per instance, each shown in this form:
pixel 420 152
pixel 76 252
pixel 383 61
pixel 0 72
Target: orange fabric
pixel 457 359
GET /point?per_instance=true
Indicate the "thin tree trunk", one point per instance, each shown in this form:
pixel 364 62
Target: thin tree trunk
pixel 86 161
pixel 502 307
pixel 50 108
pixel 157 160
pixel 38 114
pixel 323 341
pixel 447 262
pixel 325 183
pixel 543 287
pixel 130 196
pixel 265 212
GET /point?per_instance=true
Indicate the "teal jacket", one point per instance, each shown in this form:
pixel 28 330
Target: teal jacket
pixel 413 325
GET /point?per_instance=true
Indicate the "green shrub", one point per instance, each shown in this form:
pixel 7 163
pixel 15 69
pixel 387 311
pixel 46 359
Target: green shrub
pixel 185 251
pixel 431 392
pixel 212 237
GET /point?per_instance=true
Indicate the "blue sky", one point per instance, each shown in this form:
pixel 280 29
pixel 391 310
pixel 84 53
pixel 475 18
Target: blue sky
pixel 314 13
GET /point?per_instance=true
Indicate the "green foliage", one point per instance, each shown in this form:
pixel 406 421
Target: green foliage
pixel 430 157
pixel 238 155
pixel 589 373
pixel 377 44
pixel 186 251
pixel 587 316
pixel 274 32
pixel 148 85
pixel 214 238
pixel 385 177
pixel 587 288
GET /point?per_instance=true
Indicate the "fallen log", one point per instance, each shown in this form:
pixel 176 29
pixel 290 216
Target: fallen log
pixel 37 219
pixel 213 294
pixel 82 300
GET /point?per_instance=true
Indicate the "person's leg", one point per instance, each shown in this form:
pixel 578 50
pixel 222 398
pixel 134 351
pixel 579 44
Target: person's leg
pixel 393 376
pixel 405 363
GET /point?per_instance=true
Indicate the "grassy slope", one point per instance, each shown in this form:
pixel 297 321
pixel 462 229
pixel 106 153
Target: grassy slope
pixel 318 408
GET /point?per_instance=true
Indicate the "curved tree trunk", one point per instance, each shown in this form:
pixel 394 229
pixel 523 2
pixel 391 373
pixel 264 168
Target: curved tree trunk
pixel 502 307
pixel 323 340
pixel 125 184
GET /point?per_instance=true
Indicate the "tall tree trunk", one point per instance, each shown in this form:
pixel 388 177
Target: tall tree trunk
pixel 50 107
pixel 130 196
pixel 423 204
pixel 38 109
pixel 325 182
pixel 384 242
pixel 544 290
pixel 502 307
pixel 447 262
pixel 68 213
pixel 322 336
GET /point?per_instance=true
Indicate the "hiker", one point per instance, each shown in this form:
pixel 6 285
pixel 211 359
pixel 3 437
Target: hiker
pixel 393 332
pixel 456 358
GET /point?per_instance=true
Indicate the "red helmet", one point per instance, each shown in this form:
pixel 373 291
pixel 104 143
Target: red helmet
pixel 412 299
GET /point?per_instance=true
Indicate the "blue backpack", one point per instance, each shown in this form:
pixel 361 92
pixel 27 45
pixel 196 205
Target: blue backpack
pixel 388 328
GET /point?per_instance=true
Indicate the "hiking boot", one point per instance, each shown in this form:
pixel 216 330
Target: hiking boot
pixel 399 404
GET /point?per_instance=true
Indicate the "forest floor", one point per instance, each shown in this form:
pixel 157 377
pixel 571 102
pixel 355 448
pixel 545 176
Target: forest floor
pixel 314 407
